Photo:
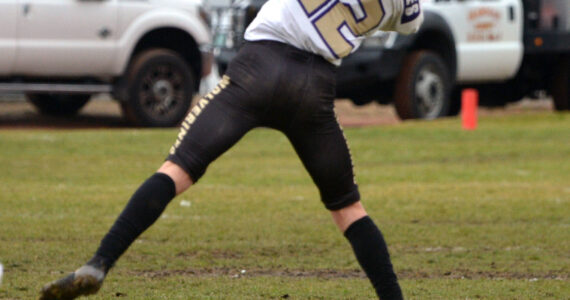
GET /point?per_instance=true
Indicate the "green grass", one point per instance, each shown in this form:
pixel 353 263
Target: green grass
pixel 467 215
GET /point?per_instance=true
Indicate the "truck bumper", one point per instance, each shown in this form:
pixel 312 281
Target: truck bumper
pixel 368 74
pixel 370 65
pixel 539 42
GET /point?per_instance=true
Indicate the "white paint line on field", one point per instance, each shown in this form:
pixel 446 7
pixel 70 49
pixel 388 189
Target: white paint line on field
pixel 522 173
pixel 519 248
pixel 241 273
pixel 171 217
pixel 447 249
pixel 44 138
pixel 433 249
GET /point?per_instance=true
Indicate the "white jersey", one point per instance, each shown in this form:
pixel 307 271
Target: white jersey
pixel 332 28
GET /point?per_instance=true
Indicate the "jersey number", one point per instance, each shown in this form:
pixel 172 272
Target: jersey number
pixel 332 19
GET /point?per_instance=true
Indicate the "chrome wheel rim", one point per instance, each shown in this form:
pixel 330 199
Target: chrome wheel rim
pixel 162 90
pixel 430 93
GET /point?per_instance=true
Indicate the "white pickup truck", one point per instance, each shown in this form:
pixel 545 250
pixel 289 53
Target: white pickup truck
pixel 508 49
pixel 149 54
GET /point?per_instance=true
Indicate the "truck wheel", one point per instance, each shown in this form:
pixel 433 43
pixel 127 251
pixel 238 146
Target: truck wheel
pixel 159 87
pixel 58 105
pixel 454 103
pixel 422 87
pixel 561 86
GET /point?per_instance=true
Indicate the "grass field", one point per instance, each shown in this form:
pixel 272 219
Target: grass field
pixel 467 215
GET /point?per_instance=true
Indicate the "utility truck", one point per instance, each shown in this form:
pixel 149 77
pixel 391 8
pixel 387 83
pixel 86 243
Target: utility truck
pixel 149 54
pixel 507 49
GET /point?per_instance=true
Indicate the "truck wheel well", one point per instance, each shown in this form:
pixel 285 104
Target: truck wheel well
pixel 176 40
pixel 440 44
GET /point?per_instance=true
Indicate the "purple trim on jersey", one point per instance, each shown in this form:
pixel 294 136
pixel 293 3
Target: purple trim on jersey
pixel 366 15
pixel 409 4
pixel 316 9
pixel 335 2
pixel 383 15
pixel 345 24
pixel 354 14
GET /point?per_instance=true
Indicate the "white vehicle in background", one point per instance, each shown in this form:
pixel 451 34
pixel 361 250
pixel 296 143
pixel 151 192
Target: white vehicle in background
pixel 149 54
pixel 507 49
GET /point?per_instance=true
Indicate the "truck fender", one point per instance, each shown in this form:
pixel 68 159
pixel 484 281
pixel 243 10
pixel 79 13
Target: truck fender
pixel 434 26
pixel 156 19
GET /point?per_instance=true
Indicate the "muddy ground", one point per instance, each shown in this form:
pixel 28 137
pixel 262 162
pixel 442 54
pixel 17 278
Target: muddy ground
pixel 102 112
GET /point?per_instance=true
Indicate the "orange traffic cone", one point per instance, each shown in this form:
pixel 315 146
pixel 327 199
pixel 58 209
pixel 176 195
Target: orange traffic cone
pixel 469 103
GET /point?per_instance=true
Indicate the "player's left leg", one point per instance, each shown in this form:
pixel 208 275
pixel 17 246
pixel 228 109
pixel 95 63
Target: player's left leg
pixel 143 209
pixel 210 129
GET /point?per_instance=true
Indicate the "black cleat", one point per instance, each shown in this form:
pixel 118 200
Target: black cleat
pixel 86 280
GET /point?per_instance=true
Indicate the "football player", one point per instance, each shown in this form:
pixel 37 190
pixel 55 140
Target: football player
pixel 282 78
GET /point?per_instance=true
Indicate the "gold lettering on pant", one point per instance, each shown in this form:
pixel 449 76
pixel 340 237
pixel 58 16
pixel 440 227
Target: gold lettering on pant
pixel 202 103
pixel 182 133
pixel 216 90
pixel 197 110
pixel 185 125
pixel 190 119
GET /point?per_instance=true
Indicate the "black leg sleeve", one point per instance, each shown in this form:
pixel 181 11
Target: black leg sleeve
pixel 144 208
pixel 372 254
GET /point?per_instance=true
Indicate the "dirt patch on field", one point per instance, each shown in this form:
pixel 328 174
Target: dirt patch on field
pixel 350 115
pixel 214 254
pixel 222 271
pixel 469 274
pixel 374 114
pixel 353 273
pixel 102 112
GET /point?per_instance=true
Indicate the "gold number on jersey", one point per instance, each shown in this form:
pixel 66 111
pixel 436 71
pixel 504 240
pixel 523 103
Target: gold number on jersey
pixel 338 16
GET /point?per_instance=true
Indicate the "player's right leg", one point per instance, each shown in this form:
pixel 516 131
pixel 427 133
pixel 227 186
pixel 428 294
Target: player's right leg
pixel 320 143
pixel 326 157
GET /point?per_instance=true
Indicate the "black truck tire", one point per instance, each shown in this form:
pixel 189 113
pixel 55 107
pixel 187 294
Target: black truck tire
pixel 58 105
pixel 159 89
pixel 423 87
pixel 454 102
pixel 561 85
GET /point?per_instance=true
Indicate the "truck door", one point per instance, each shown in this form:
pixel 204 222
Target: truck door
pixel 8 23
pixel 66 37
pixel 488 36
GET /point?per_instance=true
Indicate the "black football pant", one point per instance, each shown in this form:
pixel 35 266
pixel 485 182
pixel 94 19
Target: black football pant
pixel 270 84
pixel 273 85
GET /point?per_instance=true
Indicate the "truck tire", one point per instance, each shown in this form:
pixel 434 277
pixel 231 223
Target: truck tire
pixel 159 86
pixel 561 85
pixel 423 87
pixel 58 105
pixel 454 103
